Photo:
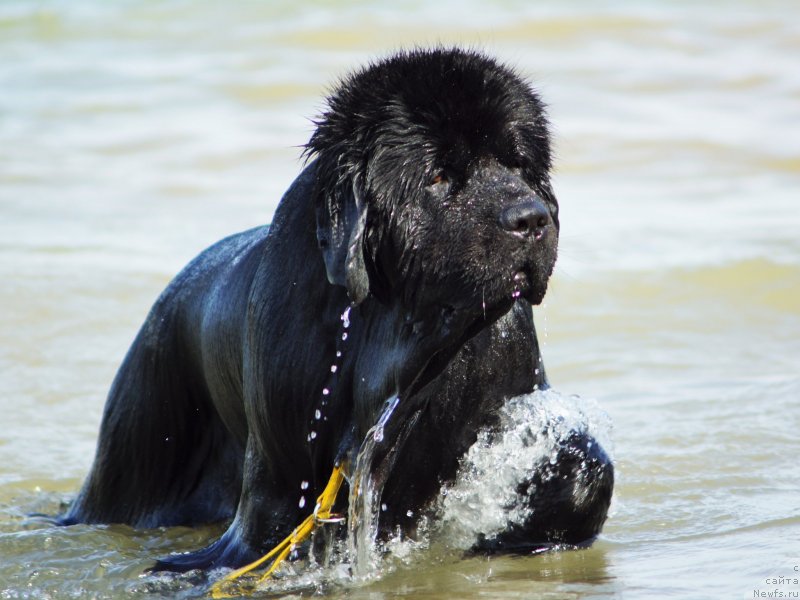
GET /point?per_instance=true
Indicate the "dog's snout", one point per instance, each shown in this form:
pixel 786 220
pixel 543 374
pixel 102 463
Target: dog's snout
pixel 527 219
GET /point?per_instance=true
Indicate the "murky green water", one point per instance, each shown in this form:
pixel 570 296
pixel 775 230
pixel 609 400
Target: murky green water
pixel 133 134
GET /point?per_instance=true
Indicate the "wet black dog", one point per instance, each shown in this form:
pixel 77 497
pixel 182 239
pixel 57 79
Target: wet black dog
pixel 402 262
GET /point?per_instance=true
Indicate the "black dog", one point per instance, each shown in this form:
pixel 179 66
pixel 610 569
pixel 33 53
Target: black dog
pixel 402 263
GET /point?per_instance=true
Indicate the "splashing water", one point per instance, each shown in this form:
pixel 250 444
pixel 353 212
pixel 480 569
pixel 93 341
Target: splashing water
pixel 377 431
pixel 483 498
pixel 366 487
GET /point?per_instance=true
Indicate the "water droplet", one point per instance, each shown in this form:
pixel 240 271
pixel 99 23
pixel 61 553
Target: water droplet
pixel 302 502
pixel 536 371
pixel 346 317
pixel 317 414
pixel 384 508
pixel 344 336
pixel 338 354
pixel 304 485
pixel 391 404
pixel 313 435
pixel 325 392
pixel 333 368
pixel 409 513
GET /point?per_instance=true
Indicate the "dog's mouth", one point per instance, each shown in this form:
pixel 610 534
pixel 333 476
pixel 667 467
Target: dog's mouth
pixel 522 284
pixel 483 304
pixel 526 286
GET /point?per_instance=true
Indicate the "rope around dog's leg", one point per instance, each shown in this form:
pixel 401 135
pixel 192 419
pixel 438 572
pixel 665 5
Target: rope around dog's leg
pixel 322 513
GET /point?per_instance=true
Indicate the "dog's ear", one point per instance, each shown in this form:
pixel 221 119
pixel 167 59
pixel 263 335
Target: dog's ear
pixel 341 229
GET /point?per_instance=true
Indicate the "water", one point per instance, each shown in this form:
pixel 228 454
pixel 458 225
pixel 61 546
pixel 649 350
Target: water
pixel 483 496
pixel 133 134
pixel 366 486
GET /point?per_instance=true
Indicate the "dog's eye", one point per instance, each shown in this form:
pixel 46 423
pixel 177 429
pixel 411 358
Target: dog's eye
pixel 438 178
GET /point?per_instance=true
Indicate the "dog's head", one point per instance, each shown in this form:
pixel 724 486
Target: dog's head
pixel 433 185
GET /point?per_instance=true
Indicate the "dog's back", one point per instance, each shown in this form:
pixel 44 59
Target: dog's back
pixel 167 455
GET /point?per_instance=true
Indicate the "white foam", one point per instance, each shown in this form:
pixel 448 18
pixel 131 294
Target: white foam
pixel 483 499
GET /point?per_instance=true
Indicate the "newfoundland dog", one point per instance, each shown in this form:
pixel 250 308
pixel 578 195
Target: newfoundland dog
pixel 379 323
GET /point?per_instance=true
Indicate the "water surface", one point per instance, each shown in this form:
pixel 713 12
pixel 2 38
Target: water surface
pixel 134 134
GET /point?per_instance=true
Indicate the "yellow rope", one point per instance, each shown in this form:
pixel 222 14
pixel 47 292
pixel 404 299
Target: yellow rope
pixel 322 513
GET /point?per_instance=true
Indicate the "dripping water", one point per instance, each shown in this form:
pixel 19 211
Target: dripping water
pixel 387 413
pixel 366 486
pixel 481 499
pixel 319 415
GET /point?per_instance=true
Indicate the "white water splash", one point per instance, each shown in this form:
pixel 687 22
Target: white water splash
pixel 480 501
pixel 483 498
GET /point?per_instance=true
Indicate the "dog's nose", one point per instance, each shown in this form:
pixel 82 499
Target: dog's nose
pixel 526 219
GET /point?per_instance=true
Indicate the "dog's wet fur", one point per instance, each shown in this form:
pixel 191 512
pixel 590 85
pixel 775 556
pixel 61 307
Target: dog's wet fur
pixel 426 207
